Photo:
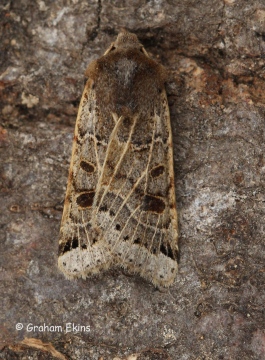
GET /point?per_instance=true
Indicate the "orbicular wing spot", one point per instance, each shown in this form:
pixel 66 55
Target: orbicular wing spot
pixel 157 171
pixel 87 166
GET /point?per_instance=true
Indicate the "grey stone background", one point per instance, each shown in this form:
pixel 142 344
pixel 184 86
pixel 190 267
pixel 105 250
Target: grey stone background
pixel 215 51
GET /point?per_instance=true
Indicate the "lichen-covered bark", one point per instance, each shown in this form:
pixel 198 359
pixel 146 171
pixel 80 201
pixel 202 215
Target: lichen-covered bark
pixel 215 54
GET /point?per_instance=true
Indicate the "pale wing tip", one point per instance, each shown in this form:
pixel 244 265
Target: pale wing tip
pixel 158 269
pixel 78 263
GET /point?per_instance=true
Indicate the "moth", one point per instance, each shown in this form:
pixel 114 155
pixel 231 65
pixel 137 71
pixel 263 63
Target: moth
pixel 120 207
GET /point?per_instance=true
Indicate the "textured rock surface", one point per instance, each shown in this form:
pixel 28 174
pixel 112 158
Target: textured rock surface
pixel 215 52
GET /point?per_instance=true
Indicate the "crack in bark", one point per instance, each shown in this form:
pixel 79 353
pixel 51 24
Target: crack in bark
pixel 95 32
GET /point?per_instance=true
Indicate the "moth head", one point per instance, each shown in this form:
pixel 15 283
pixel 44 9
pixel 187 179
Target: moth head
pixel 127 40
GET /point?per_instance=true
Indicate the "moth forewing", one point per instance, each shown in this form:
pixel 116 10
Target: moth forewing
pixel 120 207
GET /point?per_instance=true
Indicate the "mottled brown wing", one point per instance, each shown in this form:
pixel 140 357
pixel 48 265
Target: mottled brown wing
pixel 82 247
pixel 136 207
